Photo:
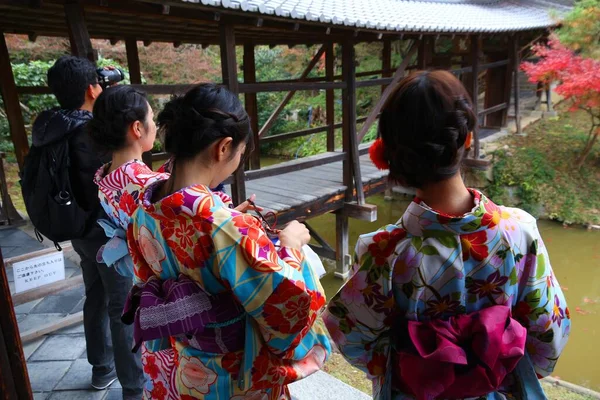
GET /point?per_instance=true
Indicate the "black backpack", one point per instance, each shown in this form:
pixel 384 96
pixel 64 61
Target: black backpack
pixel 48 194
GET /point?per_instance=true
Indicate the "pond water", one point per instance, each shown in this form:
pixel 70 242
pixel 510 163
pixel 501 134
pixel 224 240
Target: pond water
pixel 575 257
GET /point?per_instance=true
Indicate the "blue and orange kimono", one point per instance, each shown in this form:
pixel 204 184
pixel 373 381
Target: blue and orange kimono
pixel 269 339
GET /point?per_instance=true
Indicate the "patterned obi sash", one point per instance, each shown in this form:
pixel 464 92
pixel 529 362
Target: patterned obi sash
pixel 466 356
pixel 181 308
pixel 115 252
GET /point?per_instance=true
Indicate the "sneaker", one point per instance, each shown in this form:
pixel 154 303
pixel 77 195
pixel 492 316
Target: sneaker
pixel 104 381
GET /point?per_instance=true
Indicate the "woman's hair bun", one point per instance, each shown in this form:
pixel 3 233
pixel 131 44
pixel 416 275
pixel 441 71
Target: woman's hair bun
pixel 424 126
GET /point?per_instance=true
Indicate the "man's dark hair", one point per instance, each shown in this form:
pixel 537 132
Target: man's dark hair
pixel 69 78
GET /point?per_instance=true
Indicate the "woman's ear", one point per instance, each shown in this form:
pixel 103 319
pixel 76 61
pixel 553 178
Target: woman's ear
pixel 468 140
pixel 223 149
pixel 137 128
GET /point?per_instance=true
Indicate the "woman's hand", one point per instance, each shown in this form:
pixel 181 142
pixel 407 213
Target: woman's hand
pixel 248 205
pixel 294 235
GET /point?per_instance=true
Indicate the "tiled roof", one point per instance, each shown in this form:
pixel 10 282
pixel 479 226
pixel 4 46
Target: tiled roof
pixel 411 16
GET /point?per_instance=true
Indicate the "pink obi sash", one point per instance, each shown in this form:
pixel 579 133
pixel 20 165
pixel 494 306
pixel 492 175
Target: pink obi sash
pixel 181 308
pixel 466 356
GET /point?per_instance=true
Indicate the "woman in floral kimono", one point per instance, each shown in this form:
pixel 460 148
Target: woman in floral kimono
pixel 240 312
pixel 458 298
pixel 123 124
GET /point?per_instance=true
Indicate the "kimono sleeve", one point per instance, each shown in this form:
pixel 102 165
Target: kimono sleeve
pixel 358 316
pixel 275 293
pixel 541 307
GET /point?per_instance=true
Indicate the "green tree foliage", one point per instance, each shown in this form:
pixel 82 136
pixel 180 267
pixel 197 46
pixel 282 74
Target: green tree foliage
pixel 581 28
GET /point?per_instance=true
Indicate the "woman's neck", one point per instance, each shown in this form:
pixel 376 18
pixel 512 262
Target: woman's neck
pixel 188 174
pixel 450 196
pixel 123 156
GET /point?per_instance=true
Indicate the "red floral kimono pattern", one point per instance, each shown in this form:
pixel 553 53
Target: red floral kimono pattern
pixel 433 266
pixel 192 232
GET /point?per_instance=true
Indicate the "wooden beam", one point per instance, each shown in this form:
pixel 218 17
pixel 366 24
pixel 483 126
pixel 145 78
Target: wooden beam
pixel 50 327
pixel 79 37
pixel 516 57
pixel 475 49
pixel 386 61
pixel 46 290
pixel 229 74
pixel 296 165
pixel 398 75
pixel 364 212
pixel 493 109
pixel 348 115
pixel 24 257
pixel 343 260
pixel 425 55
pixel 271 120
pixel 330 96
pixel 133 61
pixel 292 87
pixel 14 379
pixel 8 89
pixel 251 103
pixel 295 134
pixel 350 140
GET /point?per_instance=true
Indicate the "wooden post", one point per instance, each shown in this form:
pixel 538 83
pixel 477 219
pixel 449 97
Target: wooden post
pixel 79 37
pixel 229 74
pixel 475 49
pixel 386 61
pixel 550 107
pixel 135 76
pixel 8 89
pixel 349 121
pixel 516 64
pixel 425 52
pixel 14 379
pixel 252 103
pixel 342 252
pixel 133 61
pixel 330 97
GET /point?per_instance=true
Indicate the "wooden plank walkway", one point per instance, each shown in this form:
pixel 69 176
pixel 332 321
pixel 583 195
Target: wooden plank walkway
pixel 311 192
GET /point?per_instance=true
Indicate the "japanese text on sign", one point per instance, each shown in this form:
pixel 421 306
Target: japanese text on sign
pixel 39 271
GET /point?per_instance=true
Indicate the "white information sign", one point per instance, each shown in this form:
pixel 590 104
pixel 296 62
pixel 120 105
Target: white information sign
pixel 39 271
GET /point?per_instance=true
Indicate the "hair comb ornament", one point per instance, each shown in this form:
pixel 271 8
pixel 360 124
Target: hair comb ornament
pixel 377 155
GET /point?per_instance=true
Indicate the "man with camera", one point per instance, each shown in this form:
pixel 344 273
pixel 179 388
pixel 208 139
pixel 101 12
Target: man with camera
pixel 62 200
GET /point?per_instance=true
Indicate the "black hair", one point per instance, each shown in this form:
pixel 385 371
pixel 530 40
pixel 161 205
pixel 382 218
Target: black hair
pixel 69 78
pixel 424 126
pixel 115 110
pixel 190 123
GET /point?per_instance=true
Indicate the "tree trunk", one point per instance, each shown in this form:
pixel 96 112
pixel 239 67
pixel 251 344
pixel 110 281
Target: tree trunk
pixel 588 147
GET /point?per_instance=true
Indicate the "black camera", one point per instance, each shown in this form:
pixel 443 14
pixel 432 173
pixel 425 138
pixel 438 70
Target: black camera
pixel 107 77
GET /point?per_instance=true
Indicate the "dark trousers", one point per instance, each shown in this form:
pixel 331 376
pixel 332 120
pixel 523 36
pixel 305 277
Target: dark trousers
pixel 108 340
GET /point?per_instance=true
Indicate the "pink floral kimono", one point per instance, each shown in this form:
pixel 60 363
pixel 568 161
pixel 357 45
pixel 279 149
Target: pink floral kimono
pixel 437 304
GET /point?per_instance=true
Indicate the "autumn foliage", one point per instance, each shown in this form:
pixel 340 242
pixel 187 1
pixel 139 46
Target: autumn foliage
pixel 577 78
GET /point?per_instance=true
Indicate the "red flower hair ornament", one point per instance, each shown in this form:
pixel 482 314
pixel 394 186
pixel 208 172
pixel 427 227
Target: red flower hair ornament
pixel 377 155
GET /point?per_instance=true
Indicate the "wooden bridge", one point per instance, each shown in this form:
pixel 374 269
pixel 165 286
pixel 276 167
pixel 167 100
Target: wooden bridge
pixel 338 180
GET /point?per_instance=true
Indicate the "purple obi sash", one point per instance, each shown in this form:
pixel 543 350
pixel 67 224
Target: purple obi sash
pixel 181 308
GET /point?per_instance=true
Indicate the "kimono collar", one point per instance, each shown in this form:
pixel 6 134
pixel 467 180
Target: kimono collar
pixel 102 172
pixel 185 202
pixel 420 218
